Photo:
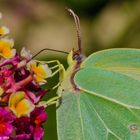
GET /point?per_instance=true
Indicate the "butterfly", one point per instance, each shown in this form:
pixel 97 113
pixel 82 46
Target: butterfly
pixel 100 95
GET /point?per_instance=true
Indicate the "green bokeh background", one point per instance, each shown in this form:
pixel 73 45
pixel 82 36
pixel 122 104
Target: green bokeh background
pixel 37 24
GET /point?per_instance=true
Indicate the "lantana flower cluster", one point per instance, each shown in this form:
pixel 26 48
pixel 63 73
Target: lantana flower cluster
pixel 21 115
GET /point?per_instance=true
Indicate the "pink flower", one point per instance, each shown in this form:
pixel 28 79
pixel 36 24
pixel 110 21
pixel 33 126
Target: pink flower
pixel 21 116
pixel 38 117
pixel 20 94
pixel 31 127
pixel 6 119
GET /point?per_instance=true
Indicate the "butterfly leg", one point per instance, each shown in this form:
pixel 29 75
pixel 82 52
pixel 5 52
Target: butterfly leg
pixel 51 101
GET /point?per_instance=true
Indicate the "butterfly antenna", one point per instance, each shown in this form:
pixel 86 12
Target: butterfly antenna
pixel 78 31
pixel 47 49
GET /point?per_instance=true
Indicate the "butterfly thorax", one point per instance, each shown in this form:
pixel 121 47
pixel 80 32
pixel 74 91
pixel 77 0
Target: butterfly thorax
pixel 74 61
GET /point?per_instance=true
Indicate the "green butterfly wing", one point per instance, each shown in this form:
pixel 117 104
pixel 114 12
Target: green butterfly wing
pixel 107 105
pixel 110 85
pixel 87 117
pixel 126 61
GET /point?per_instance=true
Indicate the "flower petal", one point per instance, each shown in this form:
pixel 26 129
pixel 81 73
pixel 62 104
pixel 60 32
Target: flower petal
pixel 38 133
pixel 6 48
pixel 22 137
pixel 19 104
pixel 4 30
pixel 4 138
pixel 25 53
pixel 41 71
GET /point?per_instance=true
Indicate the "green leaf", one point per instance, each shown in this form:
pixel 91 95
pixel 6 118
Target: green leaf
pixel 126 61
pixel 107 105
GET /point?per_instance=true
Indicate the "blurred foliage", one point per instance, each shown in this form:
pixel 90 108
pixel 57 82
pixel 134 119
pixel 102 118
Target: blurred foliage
pixel 86 7
pixel 37 24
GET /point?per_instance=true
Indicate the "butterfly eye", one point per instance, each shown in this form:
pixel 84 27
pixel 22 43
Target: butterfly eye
pixel 78 56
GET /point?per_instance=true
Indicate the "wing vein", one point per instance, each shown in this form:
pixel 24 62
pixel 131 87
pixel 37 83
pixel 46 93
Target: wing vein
pixel 108 130
pixel 81 120
pixel 110 99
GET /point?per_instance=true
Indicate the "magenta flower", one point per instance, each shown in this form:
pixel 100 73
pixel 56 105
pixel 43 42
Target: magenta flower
pixel 22 137
pixel 6 120
pixel 21 77
pixel 30 127
pixel 38 117
pixel 20 93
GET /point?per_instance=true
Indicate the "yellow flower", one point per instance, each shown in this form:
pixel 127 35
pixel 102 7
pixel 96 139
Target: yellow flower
pixel 6 48
pixel 20 105
pixel 41 71
pixel 4 31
